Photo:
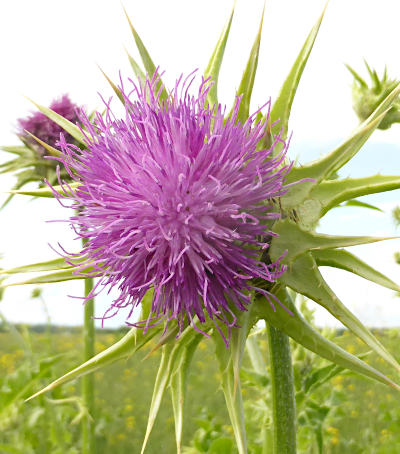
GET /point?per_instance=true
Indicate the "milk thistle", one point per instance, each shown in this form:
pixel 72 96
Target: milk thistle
pixel 178 198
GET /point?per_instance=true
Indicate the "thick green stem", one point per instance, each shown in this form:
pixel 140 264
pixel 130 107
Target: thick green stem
pixel 88 438
pixel 284 404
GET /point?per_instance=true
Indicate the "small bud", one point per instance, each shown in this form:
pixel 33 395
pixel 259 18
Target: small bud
pixel 367 98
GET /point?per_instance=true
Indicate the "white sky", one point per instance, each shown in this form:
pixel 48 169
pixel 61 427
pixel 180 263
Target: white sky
pixel 49 48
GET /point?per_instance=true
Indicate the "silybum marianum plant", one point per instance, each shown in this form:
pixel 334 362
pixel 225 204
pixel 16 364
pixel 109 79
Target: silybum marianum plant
pixel 195 214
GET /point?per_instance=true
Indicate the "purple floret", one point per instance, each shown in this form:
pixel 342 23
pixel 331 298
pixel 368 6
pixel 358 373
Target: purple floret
pixel 45 129
pixel 176 198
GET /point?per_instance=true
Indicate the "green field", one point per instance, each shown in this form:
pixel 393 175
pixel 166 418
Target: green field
pixel 346 413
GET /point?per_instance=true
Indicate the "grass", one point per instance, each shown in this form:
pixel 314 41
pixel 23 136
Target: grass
pixel 355 414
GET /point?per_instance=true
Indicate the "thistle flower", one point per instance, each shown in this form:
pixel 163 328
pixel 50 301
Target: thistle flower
pixel 45 129
pixel 176 198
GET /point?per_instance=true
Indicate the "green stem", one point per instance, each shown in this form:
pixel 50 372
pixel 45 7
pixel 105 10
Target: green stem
pixel 284 404
pixel 88 437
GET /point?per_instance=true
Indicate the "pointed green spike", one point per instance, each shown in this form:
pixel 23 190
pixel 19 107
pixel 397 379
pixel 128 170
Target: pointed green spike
pixel 305 278
pixel 374 77
pixel 52 151
pixel 357 77
pixel 293 239
pixel 171 353
pixel 67 125
pixel 47 192
pixel 283 104
pixel 162 379
pixel 246 84
pixel 296 327
pixel 117 91
pixel 214 65
pixel 124 348
pixel 146 59
pixel 331 193
pixel 50 265
pixel 178 385
pixel 358 203
pixel 136 68
pixel 340 258
pixel 52 278
pixel 232 390
pixel 322 168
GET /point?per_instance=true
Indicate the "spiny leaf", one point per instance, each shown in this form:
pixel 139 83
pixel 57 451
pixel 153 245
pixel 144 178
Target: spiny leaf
pixel 296 327
pixel 47 192
pixel 340 258
pixel 295 240
pixel 232 391
pixel 358 203
pixel 178 385
pixel 117 91
pixel 283 104
pixel 52 278
pixel 52 151
pixel 171 353
pixel 246 84
pixel 215 62
pixel 50 265
pixel 162 379
pixel 305 278
pixel 323 167
pixel 121 349
pixel 331 193
pixel 136 68
pixel 146 59
pixel 68 126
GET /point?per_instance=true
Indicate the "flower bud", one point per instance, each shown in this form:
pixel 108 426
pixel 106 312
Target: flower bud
pixel 367 98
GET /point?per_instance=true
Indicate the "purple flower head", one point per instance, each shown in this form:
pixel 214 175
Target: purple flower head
pixel 176 198
pixel 45 129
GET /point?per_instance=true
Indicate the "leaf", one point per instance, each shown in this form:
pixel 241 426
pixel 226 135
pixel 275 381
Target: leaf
pixel 215 62
pixel 358 203
pixel 52 151
pixel 117 91
pixel 283 104
pixel 125 347
pixel 67 125
pixel 178 385
pixel 52 278
pixel 294 241
pixel 232 389
pixel 47 192
pixel 246 84
pixel 136 68
pixel 325 166
pixel 296 327
pixel 305 278
pixel 171 352
pixel 342 259
pixel 146 59
pixel 50 265
pixel 331 193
